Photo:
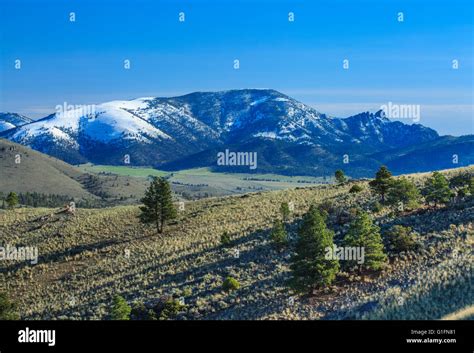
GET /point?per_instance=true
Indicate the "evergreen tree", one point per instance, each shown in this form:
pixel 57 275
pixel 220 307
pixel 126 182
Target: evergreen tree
pixel 278 234
pixel 8 309
pixel 339 175
pixel 12 200
pixel 437 189
pixel 382 181
pixel 363 233
pixel 120 309
pixel 158 204
pixel 403 192
pixel 310 268
pixel 285 211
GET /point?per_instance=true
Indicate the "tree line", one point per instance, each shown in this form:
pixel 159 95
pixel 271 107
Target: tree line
pixel 12 199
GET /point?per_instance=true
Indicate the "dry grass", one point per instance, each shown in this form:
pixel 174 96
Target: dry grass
pixel 84 262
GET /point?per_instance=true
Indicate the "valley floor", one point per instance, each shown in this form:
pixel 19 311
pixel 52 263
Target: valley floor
pixel 202 182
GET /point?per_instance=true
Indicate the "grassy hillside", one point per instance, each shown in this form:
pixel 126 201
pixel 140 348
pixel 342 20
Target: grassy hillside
pixel 87 259
pixel 36 172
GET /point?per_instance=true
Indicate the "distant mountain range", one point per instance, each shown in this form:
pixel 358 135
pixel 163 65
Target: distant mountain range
pixel 288 136
pixel 11 120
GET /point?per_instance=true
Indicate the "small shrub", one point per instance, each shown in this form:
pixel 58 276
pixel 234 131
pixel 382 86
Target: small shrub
pixel 462 184
pixel 327 206
pixel 285 211
pixel 230 284
pixel 278 234
pixel 140 312
pixel 8 309
pixel 376 207
pixel 355 189
pixel 166 308
pixel 400 238
pixel 187 292
pixel 171 309
pixel 225 239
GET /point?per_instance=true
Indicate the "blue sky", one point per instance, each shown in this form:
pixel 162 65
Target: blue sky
pixel 81 62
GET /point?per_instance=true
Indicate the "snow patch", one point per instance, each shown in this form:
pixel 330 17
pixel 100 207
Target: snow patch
pixel 258 101
pixel 266 134
pixel 4 125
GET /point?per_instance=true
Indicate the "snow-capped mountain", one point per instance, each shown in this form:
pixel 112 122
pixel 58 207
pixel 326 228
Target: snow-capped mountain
pixel 379 132
pixel 185 130
pixel 12 120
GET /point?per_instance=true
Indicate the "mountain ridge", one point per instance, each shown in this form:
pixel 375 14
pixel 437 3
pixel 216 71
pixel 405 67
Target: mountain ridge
pixel 10 120
pixel 170 132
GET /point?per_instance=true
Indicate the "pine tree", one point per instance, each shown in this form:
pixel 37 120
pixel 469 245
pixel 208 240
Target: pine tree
pixel 120 309
pixel 158 204
pixel 437 189
pixel 12 200
pixel 339 175
pixel 278 234
pixel 382 181
pixel 403 192
pixel 310 268
pixel 363 233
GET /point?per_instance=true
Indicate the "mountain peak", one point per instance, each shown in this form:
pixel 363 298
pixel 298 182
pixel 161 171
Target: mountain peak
pixel 156 131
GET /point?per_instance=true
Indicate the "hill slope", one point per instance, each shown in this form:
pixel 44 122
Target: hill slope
pixel 441 152
pixel 87 259
pixel 40 173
